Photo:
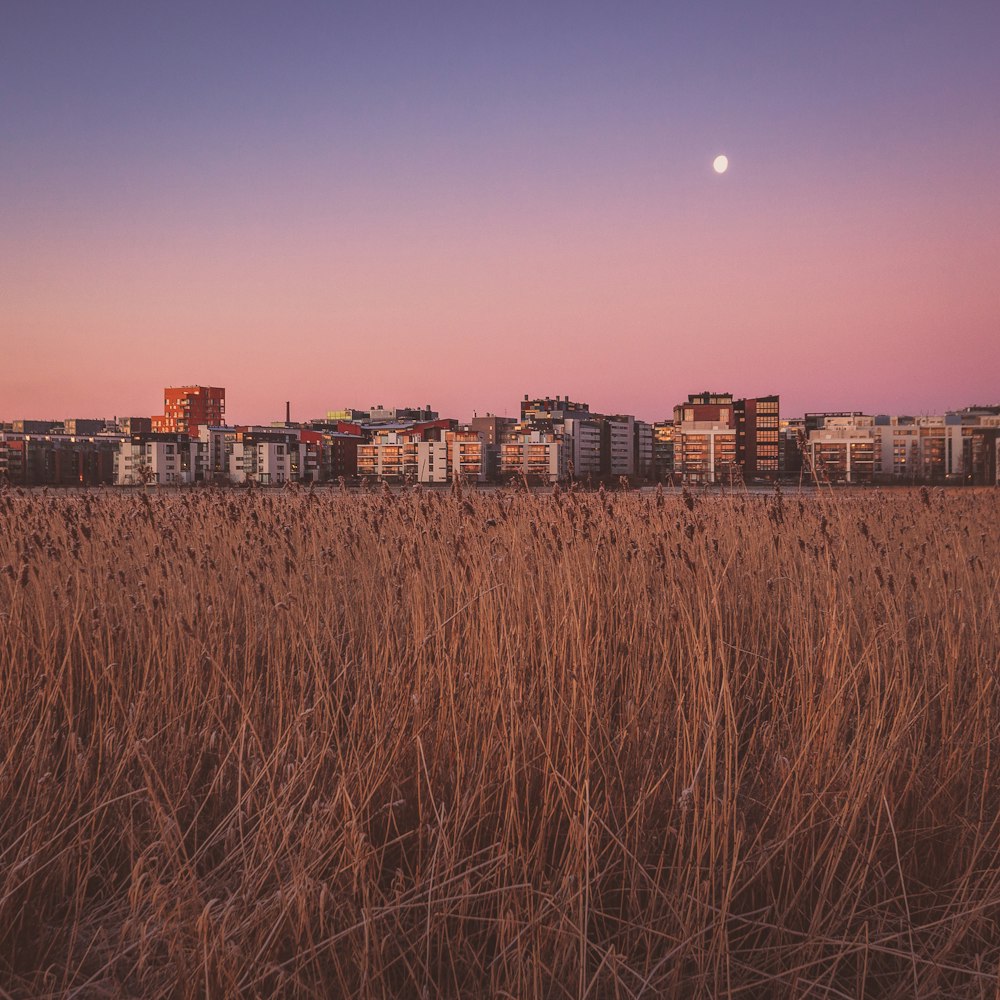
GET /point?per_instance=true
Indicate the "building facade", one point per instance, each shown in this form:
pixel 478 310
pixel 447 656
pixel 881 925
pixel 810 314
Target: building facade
pixel 188 408
pixel 539 456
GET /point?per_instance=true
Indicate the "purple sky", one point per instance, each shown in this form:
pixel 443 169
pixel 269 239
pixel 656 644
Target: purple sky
pixel 344 204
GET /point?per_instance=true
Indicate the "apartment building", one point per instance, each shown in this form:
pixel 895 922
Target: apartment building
pixel 700 438
pixel 156 458
pixel 663 450
pixel 643 449
pixel 538 455
pixel 265 455
pixel 705 451
pixel 340 455
pixel 757 436
pixel 704 438
pixel 468 455
pixel 617 446
pixel 404 456
pixel 843 449
pixel 493 430
pixel 582 440
pixel 791 444
pixel 28 459
pixel 190 407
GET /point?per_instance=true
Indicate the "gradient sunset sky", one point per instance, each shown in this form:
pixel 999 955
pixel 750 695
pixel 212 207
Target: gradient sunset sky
pixel 455 204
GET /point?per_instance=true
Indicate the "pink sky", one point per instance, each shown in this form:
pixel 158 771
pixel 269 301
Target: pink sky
pixel 461 247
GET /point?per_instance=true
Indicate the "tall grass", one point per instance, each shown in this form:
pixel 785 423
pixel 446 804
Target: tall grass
pixel 580 745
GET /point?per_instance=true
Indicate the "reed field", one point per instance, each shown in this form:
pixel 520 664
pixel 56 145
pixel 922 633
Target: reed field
pixel 434 744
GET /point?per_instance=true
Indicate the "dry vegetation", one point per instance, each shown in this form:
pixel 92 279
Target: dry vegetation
pixel 572 745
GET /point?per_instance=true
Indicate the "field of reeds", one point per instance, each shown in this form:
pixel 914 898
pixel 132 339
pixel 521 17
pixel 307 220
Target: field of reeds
pixel 511 745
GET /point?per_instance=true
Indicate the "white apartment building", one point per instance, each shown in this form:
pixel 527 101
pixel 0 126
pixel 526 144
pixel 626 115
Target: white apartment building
pixel 861 448
pixel 843 449
pixel 704 451
pixel 268 463
pixel 141 461
pixel 468 455
pixel 397 456
pixel 535 454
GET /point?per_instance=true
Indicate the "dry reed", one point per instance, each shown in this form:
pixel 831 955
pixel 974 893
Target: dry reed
pixel 425 744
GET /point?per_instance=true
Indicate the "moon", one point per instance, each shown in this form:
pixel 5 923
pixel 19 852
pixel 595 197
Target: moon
pixel 720 164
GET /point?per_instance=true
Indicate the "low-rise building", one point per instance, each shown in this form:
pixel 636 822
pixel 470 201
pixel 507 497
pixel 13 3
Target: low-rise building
pixel 843 450
pixel 156 459
pixel 468 455
pixel 404 456
pixel 538 455
pixel 265 456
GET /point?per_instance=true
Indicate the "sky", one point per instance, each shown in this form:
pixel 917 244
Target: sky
pixel 343 204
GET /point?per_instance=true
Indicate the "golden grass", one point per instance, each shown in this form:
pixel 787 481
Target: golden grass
pixel 434 745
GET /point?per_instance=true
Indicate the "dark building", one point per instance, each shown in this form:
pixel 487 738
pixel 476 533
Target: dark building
pixel 980 447
pixel 80 426
pixel 492 427
pixel 757 426
pixel 134 425
pixel 37 426
pixel 340 455
pixel 58 460
pixel 494 430
pixel 792 441
pixel 549 410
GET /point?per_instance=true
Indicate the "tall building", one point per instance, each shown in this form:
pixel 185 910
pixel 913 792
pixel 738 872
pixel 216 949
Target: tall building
pixel 663 450
pixel 705 451
pixel 468 455
pixel 617 446
pixel 643 449
pixel 791 444
pixel 757 427
pixel 705 438
pixel 582 439
pixel 755 423
pixel 189 407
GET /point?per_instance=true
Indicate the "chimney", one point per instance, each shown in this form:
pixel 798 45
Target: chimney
pixel 288 411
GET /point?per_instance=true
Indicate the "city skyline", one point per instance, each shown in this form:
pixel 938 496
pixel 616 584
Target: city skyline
pixel 510 409
pixel 344 203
